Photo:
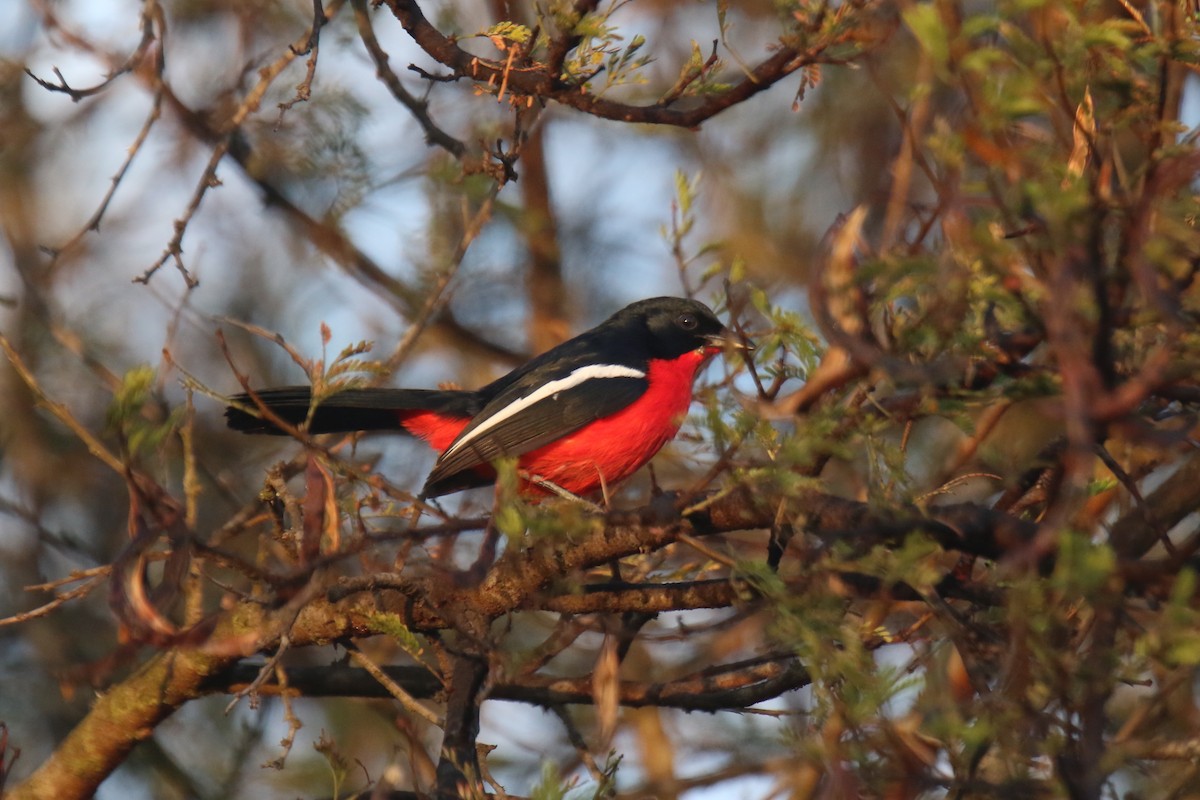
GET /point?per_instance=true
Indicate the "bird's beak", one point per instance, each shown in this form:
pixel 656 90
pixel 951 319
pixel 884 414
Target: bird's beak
pixel 728 339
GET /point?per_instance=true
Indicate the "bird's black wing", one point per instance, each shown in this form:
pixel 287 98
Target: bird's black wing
pixel 524 417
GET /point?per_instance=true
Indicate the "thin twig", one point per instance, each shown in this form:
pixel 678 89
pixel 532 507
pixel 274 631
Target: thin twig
pixel 44 609
pixel 394 689
pixel 152 11
pixel 208 178
pixel 60 411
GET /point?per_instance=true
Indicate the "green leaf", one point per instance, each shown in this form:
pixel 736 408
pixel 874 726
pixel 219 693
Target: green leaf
pixel 685 190
pixel 1083 566
pixel 131 396
pixel 984 60
pixel 551 787
pixel 510 521
pixel 391 625
pixel 926 24
pixel 1184 651
pixel 512 31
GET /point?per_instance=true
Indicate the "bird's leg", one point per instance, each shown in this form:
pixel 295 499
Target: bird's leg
pixel 655 489
pixel 487 553
pixel 615 566
pixel 413 516
pixel 604 491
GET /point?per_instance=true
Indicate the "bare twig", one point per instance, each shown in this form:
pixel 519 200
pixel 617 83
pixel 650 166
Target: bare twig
pixel 79 591
pixel 311 49
pixel 60 411
pixel 208 178
pixel 419 108
pixel 151 14
pixel 407 701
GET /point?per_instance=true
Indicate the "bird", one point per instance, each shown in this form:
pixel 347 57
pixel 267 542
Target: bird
pixel 579 418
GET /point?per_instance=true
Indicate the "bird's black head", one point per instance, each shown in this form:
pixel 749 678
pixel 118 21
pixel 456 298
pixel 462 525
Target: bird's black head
pixel 676 325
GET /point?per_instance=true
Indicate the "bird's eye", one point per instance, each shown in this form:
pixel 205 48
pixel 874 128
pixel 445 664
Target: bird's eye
pixel 687 321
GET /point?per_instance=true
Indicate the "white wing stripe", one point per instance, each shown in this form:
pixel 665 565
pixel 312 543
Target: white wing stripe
pixel 596 371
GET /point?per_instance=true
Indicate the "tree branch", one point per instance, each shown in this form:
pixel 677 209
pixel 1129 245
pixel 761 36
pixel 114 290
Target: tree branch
pixel 458 773
pixel 129 711
pixel 539 81
pixel 520 574
pixel 724 687
pixel 123 716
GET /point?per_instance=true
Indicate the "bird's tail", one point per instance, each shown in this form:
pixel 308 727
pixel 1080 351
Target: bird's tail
pixel 371 409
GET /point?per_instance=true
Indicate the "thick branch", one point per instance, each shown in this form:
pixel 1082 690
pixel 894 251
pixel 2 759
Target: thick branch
pixel 1138 530
pixel 120 718
pixel 727 687
pixel 732 686
pixel 458 772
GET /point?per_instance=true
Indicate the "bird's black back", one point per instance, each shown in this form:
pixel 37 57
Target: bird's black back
pixel 631 337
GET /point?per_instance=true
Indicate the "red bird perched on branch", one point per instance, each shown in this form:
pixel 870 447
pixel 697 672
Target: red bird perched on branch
pixel 583 415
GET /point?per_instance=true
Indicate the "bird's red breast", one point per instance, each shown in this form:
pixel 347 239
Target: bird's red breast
pixel 604 452
pixel 612 448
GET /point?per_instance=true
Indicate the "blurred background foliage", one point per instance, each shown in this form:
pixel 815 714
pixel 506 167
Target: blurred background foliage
pixel 1009 321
